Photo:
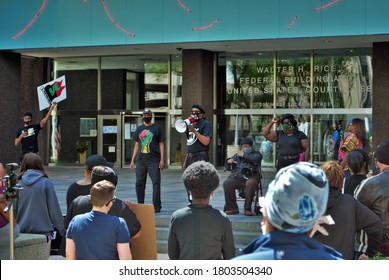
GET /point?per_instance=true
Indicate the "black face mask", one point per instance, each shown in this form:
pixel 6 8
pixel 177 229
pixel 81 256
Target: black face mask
pixel 196 117
pixel 146 120
pixel 27 123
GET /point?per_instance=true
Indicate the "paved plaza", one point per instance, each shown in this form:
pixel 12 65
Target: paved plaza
pixel 172 191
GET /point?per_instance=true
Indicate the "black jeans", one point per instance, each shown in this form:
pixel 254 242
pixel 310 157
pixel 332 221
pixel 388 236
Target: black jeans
pixel 141 170
pixel 193 157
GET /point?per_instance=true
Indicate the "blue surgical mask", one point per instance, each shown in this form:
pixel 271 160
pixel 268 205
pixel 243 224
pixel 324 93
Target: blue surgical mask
pixel 246 150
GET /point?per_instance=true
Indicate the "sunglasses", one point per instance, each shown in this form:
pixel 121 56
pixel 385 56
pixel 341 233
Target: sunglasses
pixel 113 200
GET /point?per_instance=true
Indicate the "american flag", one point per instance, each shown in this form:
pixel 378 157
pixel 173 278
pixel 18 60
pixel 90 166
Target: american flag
pixel 57 135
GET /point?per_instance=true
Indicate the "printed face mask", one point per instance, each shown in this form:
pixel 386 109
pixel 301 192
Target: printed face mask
pixel 146 120
pixel 286 126
pixel 195 115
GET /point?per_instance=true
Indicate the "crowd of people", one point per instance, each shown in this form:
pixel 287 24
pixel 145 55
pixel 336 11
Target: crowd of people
pixel 336 210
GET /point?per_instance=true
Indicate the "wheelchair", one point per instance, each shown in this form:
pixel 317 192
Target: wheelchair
pixel 258 194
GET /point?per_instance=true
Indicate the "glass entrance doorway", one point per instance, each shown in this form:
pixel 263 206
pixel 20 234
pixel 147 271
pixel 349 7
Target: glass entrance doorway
pixel 109 135
pixel 129 124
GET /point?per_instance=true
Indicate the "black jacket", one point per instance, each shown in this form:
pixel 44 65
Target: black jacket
pixel 251 159
pixel 350 216
pixel 374 193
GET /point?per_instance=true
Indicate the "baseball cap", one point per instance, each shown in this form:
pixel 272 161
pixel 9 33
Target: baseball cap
pixel 246 141
pixel 382 153
pixel 95 160
pixel 100 173
pixel 296 198
pixel 147 111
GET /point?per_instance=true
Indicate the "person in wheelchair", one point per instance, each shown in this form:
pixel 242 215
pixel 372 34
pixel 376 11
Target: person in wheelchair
pixel 245 175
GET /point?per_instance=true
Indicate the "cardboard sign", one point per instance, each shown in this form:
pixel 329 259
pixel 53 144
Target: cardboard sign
pixel 145 246
pixel 54 91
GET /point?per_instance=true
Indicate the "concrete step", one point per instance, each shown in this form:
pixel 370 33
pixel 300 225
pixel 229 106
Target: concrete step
pixel 162 247
pixel 240 237
pixel 238 222
pixel 244 228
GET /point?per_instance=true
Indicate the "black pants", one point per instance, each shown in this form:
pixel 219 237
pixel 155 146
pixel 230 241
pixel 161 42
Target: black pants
pixel 141 171
pixel 193 157
pixel 281 163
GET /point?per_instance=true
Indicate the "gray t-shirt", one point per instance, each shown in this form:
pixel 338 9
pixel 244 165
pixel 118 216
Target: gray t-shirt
pixel 199 232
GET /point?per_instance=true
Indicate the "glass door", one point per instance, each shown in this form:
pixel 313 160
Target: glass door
pixel 129 125
pixel 109 135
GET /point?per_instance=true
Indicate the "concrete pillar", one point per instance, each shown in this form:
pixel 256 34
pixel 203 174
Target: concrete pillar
pixel 9 105
pixel 34 72
pixel 380 93
pixel 197 87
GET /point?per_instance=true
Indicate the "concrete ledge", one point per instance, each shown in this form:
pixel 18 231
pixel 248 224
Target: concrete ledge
pixel 30 246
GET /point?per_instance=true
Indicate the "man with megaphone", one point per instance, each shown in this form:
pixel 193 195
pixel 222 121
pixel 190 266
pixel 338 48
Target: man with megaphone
pixel 199 135
pixel 245 168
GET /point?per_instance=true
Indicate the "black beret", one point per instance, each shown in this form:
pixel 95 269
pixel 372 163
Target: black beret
pixel 197 106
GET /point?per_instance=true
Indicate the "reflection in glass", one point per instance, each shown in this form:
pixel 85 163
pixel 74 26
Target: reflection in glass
pixel 156 85
pixel 250 82
pixel 176 85
pixel 293 80
pixel 342 80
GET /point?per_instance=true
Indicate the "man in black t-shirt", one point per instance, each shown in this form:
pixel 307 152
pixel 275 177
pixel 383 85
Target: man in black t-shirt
pixel 199 137
pixel 27 135
pixel 149 157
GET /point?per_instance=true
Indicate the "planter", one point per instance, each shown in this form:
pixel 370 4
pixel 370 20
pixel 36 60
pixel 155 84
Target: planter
pixel 82 157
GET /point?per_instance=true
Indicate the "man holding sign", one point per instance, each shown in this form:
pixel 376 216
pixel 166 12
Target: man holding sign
pixel 27 135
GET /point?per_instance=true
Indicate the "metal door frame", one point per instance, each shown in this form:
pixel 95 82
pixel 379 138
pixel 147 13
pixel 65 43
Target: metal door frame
pixel 100 119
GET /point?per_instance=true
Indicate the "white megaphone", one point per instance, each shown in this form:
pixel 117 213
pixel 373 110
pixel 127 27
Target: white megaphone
pixel 181 125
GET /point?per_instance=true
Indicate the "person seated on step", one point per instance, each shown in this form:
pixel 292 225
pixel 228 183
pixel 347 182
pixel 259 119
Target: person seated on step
pixel 245 174
pixel 198 231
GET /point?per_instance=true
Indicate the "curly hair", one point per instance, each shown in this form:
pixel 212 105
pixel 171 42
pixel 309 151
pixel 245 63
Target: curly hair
pixel 334 173
pixel 201 179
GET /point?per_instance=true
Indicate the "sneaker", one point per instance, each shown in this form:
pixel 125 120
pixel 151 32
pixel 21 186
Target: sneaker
pixel 232 211
pixel 157 208
pixel 248 212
